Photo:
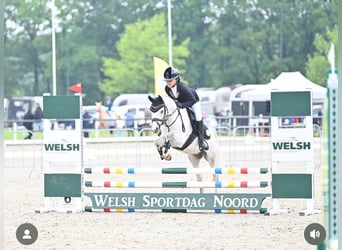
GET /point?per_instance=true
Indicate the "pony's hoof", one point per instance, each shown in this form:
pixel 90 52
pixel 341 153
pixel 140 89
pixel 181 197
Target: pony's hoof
pixel 168 157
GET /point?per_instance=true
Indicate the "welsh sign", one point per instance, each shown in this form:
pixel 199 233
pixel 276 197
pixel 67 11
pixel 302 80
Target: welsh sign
pixel 292 129
pixel 191 201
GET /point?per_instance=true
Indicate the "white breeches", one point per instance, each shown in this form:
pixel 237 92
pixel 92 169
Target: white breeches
pixel 197 110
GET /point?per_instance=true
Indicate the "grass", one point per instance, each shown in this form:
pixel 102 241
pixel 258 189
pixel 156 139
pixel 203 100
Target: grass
pixel 21 134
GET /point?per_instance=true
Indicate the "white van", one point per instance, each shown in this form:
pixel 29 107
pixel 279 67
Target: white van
pixel 131 99
pixel 16 107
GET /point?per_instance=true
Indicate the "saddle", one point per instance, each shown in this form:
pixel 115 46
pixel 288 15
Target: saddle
pixel 194 132
pixel 192 118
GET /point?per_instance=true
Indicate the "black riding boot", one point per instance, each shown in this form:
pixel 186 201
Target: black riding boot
pixel 203 145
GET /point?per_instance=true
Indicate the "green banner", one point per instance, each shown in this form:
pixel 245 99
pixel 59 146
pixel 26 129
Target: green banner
pixel 61 107
pixel 291 103
pixel 62 185
pixel 292 186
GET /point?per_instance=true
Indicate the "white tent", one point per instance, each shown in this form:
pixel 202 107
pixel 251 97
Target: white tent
pixel 250 100
pixel 296 81
pixel 286 81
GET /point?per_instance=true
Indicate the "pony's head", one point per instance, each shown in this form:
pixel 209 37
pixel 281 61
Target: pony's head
pixel 162 109
pixel 157 112
pixel 98 106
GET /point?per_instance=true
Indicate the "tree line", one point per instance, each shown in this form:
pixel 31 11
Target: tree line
pixel 109 45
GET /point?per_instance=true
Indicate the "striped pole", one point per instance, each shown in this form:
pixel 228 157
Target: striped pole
pixel 132 210
pixel 180 184
pixel 229 170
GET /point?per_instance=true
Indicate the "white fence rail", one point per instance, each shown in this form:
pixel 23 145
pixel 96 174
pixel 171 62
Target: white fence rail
pixel 241 147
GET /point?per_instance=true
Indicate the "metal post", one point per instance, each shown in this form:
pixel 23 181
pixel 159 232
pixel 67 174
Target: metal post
pixel 169 30
pixel 53 38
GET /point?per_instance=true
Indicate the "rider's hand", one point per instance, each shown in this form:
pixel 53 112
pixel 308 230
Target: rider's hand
pixel 179 105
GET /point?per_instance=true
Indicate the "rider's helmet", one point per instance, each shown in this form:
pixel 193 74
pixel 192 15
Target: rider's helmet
pixel 170 74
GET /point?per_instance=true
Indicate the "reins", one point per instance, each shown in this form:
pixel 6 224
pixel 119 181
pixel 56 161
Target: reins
pixel 163 121
pixel 167 116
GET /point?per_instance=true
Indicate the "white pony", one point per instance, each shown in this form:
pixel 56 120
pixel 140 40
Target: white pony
pixel 175 130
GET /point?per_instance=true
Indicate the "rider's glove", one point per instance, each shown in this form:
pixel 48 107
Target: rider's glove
pixel 179 105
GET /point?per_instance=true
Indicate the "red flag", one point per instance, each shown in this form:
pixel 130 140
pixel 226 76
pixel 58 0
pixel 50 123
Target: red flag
pixel 77 87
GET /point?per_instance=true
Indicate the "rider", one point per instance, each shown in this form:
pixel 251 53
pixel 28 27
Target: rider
pixel 184 97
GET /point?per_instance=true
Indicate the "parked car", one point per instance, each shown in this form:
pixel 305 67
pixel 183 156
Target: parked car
pixel 16 107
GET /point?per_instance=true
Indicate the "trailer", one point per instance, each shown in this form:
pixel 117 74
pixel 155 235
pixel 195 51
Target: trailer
pixel 250 102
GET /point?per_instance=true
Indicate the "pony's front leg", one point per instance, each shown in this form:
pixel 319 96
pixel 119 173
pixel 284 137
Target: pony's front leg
pixel 159 145
pixel 163 145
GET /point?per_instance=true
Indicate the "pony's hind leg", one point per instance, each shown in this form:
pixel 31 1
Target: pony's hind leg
pixel 212 159
pixel 195 159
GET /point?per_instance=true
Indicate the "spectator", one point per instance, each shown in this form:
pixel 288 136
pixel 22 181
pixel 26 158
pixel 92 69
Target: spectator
pixel 129 122
pixel 320 116
pixel 148 121
pixel 86 123
pixel 38 116
pixel 109 103
pixel 28 117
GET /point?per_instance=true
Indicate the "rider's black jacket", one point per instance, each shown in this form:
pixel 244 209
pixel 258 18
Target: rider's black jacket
pixel 186 95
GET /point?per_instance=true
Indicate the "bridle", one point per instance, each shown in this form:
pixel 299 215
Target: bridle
pixel 163 121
